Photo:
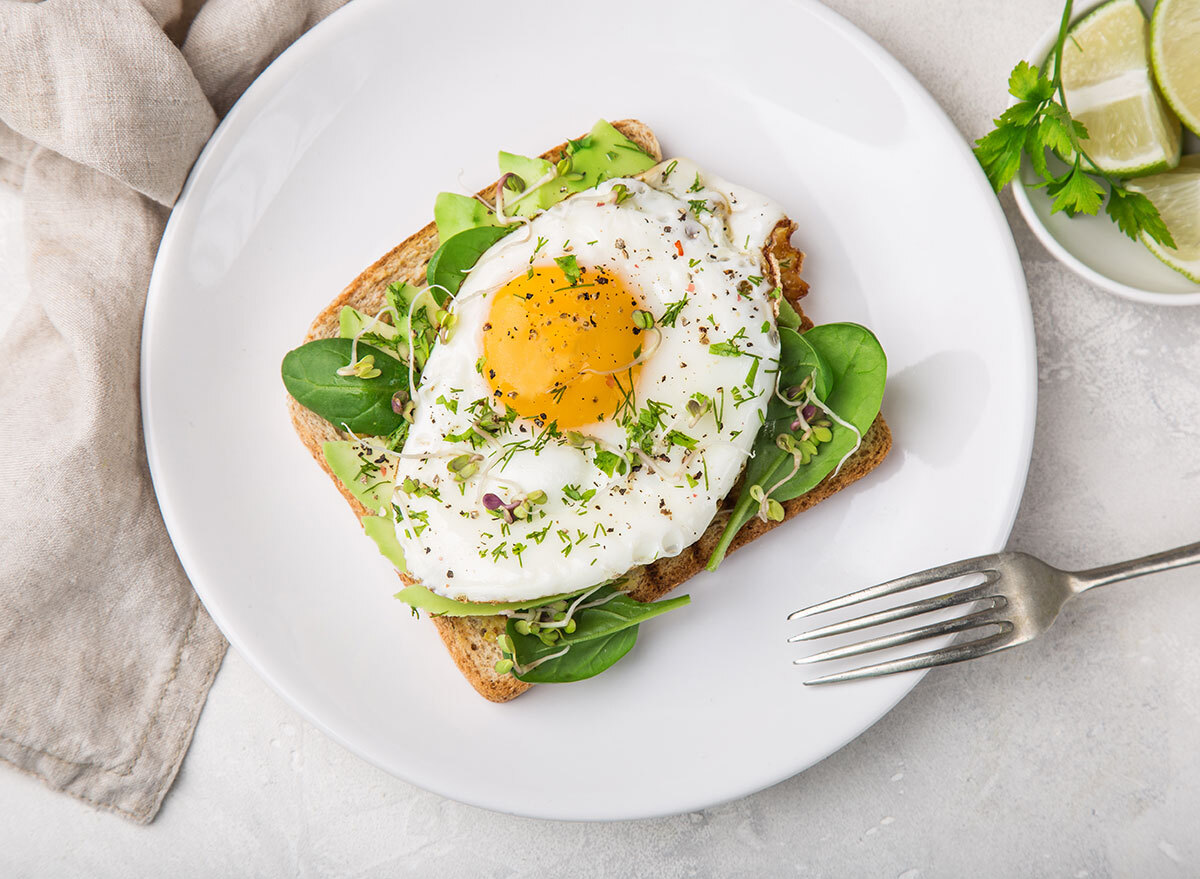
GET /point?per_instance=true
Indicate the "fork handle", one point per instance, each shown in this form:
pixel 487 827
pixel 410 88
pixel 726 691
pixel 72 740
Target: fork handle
pixel 1150 564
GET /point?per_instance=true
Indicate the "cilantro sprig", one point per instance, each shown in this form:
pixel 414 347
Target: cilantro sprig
pixel 1038 122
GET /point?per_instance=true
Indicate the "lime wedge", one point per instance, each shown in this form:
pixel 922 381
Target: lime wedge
pixel 1109 88
pixel 1176 194
pixel 1175 51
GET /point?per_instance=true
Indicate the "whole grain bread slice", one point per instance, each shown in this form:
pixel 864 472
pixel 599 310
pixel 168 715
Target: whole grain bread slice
pixel 471 641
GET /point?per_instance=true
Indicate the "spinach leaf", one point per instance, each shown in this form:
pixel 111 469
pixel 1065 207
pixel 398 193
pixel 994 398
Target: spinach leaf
pixel 310 374
pixel 798 359
pixel 603 634
pixel 448 267
pixel 788 316
pixel 851 359
pixel 585 659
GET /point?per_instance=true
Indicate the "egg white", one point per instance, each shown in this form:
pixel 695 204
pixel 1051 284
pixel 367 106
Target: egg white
pixel 452 544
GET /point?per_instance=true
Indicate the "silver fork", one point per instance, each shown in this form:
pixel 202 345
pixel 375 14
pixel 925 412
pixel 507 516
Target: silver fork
pixel 1020 597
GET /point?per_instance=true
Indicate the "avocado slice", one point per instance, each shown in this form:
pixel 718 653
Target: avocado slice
pixel 423 599
pixel 453 213
pixel 601 154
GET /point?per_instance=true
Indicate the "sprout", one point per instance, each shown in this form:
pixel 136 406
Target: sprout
pixel 362 368
pixel 510 181
pixel 642 319
pixel 464 466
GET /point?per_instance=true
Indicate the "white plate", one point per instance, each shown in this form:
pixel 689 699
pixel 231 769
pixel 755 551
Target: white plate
pixel 1093 247
pixel 337 152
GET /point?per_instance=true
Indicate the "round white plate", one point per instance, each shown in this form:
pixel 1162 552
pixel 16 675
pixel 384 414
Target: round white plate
pixel 336 153
pixel 1093 247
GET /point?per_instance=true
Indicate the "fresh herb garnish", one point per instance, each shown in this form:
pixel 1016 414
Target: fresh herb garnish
pixel 1036 123
pixel 570 268
pixel 671 314
pixel 730 347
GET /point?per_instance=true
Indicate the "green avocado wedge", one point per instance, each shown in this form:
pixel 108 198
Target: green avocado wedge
pixel 601 154
pixel 361 475
pixel 438 605
pixel 454 213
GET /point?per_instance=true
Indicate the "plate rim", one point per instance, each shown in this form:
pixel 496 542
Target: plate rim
pixel 259 91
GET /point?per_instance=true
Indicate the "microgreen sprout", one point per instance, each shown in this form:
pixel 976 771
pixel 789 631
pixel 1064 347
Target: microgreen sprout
pixel 364 368
pixel 403 406
pixel 463 467
pixel 697 406
pixel 518 508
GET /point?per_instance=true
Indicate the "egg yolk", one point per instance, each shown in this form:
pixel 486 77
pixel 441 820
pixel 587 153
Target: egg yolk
pixel 557 351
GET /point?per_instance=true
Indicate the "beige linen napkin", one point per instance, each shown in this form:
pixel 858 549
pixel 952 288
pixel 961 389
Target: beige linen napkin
pixel 106 655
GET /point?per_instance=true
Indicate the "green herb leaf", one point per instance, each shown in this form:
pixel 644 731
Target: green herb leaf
pixel 609 462
pixel 1020 114
pixel 1134 213
pixel 570 268
pixel 1075 192
pixel 310 374
pixel 1036 150
pixel 1025 83
pixel 1036 123
pixel 999 152
pixel 1057 130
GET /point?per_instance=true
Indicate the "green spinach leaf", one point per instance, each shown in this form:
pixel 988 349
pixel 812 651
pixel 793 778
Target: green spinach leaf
pixel 856 370
pixel 310 374
pixel 448 267
pixel 603 634
pixel 798 360
pixel 585 659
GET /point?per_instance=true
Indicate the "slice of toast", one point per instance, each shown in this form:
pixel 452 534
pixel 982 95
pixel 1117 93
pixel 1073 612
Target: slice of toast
pixel 472 640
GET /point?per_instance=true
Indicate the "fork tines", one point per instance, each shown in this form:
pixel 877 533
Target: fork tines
pixel 988 617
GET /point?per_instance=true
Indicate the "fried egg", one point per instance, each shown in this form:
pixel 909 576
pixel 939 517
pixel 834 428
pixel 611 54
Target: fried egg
pixel 609 367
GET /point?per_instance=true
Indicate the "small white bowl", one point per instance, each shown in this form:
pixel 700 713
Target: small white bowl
pixel 1093 247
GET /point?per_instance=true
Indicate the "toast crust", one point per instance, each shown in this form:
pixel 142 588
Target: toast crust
pixel 471 641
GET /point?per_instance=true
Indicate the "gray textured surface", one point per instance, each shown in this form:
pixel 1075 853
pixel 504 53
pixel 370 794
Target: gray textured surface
pixel 1075 756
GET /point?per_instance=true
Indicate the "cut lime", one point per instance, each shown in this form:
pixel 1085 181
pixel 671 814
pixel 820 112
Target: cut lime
pixel 1109 88
pixel 1175 51
pixel 1176 194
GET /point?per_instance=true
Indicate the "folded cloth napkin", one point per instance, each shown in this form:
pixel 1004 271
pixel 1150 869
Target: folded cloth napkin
pixel 106 655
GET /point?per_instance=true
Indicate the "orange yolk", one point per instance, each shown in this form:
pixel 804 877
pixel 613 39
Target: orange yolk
pixel 558 352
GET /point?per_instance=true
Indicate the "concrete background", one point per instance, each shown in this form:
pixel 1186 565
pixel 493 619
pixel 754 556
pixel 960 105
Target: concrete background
pixel 1075 756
